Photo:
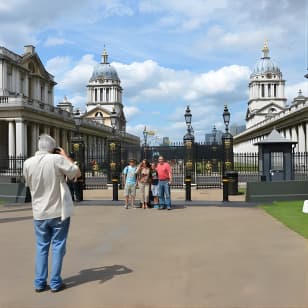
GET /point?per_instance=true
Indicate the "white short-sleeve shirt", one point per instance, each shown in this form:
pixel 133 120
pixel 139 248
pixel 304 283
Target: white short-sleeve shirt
pixel 43 174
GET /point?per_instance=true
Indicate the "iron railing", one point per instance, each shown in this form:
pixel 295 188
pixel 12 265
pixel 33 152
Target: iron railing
pixel 206 171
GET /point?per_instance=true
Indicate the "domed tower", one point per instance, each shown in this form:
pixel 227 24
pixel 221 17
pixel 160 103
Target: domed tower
pixel 104 94
pixel 266 90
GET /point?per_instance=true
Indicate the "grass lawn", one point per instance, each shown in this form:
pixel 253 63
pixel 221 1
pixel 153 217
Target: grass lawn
pixel 290 214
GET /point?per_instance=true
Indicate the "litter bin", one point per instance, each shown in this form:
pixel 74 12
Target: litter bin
pixel 232 177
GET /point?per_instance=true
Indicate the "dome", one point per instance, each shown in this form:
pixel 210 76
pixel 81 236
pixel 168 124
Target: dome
pixel 265 64
pixel 104 70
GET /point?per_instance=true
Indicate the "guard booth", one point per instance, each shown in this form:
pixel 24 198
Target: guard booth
pixel 275 158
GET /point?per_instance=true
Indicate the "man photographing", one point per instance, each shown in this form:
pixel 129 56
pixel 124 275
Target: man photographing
pixel 45 174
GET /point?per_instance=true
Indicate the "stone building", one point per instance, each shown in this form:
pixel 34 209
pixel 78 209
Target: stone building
pixel 27 108
pixel 268 109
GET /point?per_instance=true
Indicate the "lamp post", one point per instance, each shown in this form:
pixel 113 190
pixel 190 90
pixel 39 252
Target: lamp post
pixel 145 138
pixel 77 151
pixel 227 146
pixel 113 147
pixel 188 140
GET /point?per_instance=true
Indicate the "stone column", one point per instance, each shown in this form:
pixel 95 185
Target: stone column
pixel 295 137
pixel 64 141
pixel 301 138
pixel 57 136
pixel 34 137
pixel 287 133
pixel 306 137
pixel 47 129
pixel 12 138
pixel 21 137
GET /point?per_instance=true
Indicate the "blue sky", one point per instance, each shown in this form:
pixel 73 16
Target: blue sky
pixel 168 53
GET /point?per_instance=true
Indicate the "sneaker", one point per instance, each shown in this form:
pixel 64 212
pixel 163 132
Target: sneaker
pixel 62 287
pixel 125 206
pixel 42 289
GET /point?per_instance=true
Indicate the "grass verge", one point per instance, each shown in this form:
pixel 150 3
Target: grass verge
pixel 290 214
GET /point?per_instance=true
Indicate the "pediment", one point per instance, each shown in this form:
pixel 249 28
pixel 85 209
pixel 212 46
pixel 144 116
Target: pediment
pixel 34 65
pixel 93 112
pixel 266 108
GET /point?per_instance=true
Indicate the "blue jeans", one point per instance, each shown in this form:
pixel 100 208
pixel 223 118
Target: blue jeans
pixel 164 194
pixel 50 231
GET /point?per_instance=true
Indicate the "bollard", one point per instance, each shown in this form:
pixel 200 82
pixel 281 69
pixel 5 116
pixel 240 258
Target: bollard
pixel 115 192
pixel 225 193
pixel 188 188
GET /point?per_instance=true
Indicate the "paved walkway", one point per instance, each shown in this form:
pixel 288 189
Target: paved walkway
pixel 192 256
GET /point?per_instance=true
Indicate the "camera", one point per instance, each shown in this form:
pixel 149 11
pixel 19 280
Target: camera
pixel 56 150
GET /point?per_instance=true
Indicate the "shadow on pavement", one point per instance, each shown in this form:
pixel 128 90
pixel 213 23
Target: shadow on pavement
pixel 102 274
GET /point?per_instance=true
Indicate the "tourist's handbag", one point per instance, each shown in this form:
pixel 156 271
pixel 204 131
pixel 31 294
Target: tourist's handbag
pixel 305 207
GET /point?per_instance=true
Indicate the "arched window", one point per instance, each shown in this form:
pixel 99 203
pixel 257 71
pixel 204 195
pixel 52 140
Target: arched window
pixel 99 117
pixel 31 67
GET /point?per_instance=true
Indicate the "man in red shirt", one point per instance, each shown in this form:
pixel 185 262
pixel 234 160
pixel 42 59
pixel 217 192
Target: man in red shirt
pixel 165 178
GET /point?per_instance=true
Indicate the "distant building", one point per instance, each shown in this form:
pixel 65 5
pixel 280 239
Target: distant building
pixel 27 107
pixel 236 129
pixel 166 141
pixel 267 109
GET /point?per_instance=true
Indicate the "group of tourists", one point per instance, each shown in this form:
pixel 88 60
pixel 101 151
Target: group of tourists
pixel 153 181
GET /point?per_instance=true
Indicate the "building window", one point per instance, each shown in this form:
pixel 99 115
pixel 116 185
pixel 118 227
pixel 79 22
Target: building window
pixel 269 90
pixel 42 91
pixel 101 95
pixel 275 90
pixel 107 95
pixel 277 160
pixel 9 77
pixel 50 95
pixel 22 81
pixel 262 90
pixel 95 95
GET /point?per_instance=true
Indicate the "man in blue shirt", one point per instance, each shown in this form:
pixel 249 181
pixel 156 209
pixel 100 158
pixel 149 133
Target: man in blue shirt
pixel 129 178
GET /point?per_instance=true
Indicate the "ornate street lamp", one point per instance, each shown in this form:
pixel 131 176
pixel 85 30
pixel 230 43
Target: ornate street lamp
pixel 229 185
pixel 113 120
pixel 188 116
pixel 226 117
pixel 145 138
pixel 188 140
pixel 77 151
pixel 113 148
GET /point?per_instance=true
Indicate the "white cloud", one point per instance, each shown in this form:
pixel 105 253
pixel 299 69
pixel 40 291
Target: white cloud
pixel 78 77
pixel 148 81
pixel 56 41
pixel 225 79
pixel 131 111
pixel 58 65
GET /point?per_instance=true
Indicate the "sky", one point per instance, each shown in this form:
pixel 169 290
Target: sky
pixel 168 53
